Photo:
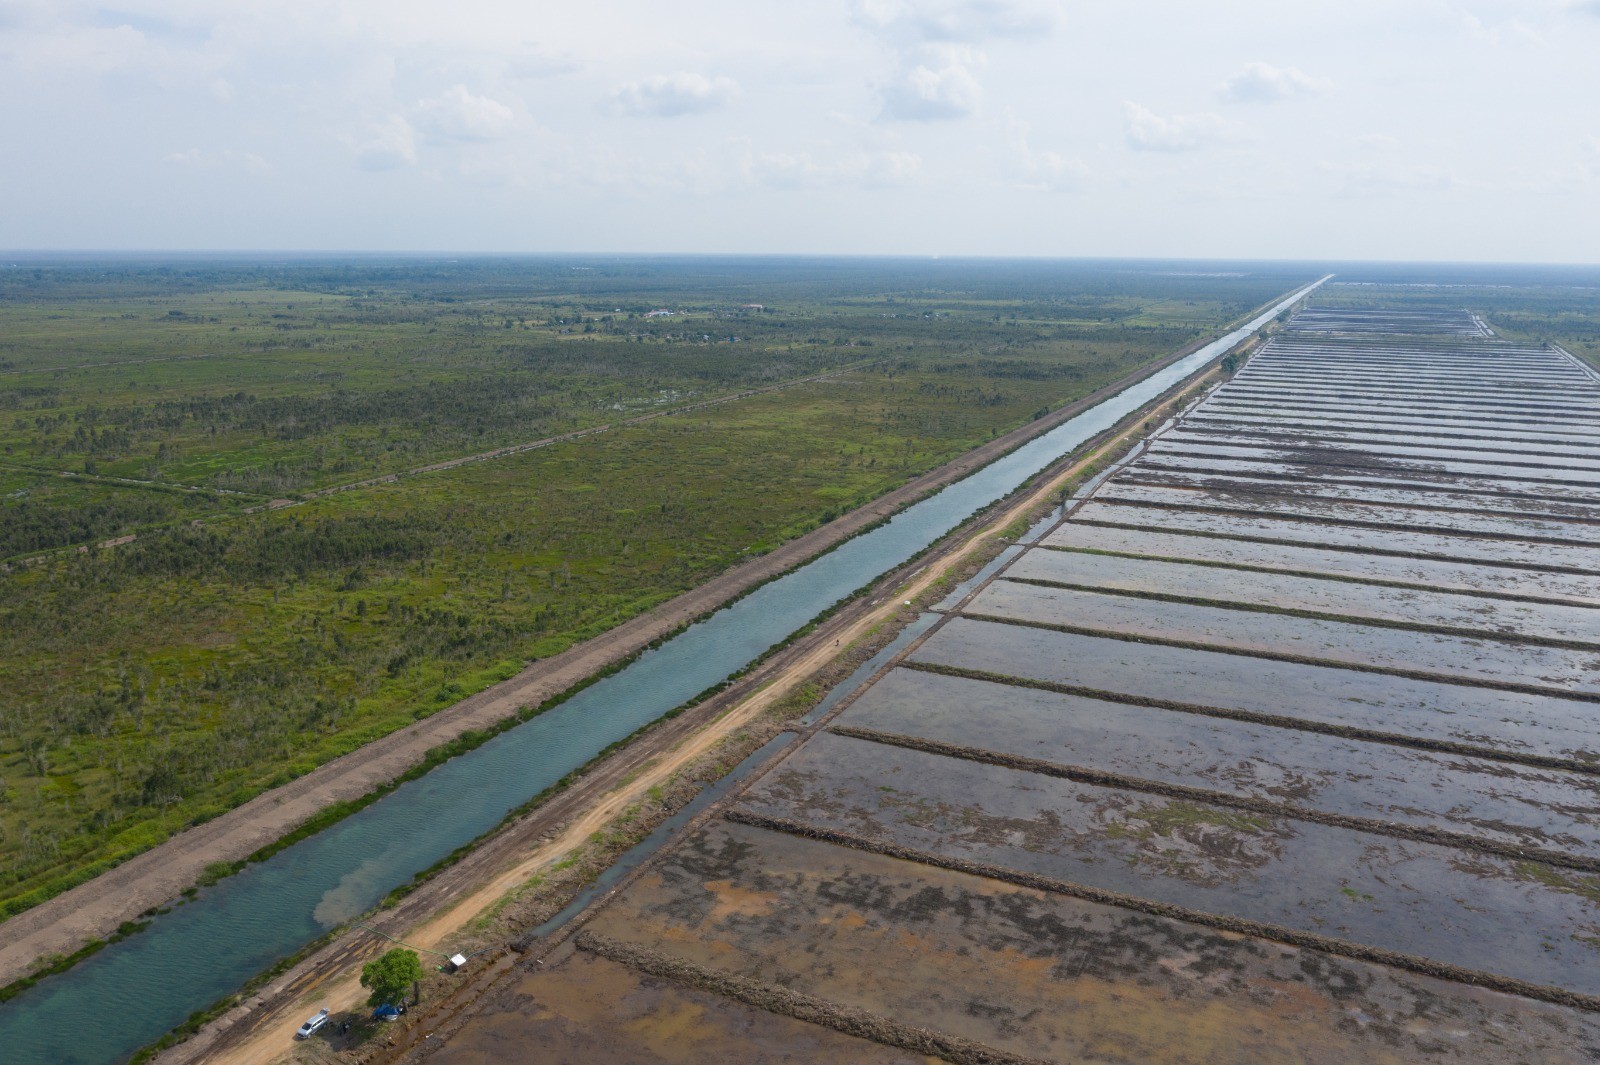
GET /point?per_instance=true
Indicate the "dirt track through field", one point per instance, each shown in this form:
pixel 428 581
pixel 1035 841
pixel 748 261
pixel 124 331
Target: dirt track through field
pixel 94 909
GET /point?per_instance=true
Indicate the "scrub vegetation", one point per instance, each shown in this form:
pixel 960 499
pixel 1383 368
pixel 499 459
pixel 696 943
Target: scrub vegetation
pixel 185 621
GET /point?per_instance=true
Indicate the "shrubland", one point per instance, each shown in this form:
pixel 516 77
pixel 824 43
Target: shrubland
pixel 239 628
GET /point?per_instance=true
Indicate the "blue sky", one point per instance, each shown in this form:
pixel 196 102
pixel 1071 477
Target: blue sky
pixel 1402 129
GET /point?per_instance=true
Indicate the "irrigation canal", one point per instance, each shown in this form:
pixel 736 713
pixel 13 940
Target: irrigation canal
pixel 132 992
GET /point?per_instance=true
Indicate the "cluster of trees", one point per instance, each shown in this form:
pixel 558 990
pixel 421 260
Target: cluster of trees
pixel 391 977
pixel 265 552
pixel 28 525
pixel 28 397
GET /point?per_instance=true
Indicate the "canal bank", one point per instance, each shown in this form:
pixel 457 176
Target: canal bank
pixel 103 1009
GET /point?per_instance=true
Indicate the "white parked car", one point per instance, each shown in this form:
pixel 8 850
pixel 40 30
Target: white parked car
pixel 308 1028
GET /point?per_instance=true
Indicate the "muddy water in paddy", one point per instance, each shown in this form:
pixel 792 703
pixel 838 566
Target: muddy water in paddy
pixel 1478 911
pixel 1556 669
pixel 1282 432
pixel 1502 498
pixel 1327 456
pixel 1157 468
pixel 1581 560
pixel 1577 549
pixel 1498 801
pixel 1312 414
pixel 1535 458
pixel 1313 594
pixel 1422 402
pixel 1515 722
pixel 1426 573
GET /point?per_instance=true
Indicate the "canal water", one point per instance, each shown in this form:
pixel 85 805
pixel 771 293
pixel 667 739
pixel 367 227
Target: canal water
pixel 132 992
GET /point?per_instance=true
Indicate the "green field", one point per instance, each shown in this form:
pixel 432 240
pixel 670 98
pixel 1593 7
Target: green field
pixel 225 648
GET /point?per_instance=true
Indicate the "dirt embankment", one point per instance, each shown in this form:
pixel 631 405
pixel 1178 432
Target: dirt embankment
pixel 95 909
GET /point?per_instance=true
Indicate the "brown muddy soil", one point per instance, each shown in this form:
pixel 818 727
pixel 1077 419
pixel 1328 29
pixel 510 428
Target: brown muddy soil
pixel 585 1008
pixel 1038 975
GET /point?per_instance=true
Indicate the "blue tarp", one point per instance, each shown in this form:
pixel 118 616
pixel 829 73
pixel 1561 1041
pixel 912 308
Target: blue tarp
pixel 386 1011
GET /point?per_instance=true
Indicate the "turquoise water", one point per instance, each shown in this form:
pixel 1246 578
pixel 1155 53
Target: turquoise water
pixel 132 992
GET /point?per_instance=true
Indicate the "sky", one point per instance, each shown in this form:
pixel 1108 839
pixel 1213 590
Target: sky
pixel 1347 129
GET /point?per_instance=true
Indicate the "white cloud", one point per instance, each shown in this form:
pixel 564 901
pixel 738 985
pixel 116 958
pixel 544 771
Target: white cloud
pixel 1058 173
pixel 957 21
pixel 871 170
pixel 1265 83
pixel 536 63
pixel 1376 142
pixel 668 96
pixel 456 114
pixel 938 84
pixel 391 145
pixel 1512 31
pixel 1147 131
pixel 139 106
pixel 887 170
pixel 195 157
pixel 1390 179
pixel 1045 171
pixel 935 76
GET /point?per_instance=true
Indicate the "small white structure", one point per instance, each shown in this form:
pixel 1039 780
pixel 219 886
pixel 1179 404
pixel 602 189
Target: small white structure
pixel 458 962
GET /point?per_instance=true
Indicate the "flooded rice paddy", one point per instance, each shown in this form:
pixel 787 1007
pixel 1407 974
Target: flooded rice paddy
pixel 1431 573
pixel 1281 745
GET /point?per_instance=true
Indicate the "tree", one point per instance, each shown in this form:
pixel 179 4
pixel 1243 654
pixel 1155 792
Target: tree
pixel 391 976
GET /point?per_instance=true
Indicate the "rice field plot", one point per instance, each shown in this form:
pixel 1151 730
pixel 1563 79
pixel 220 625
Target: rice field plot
pixel 1270 632
pixel 1506 522
pixel 1255 765
pixel 1218 680
pixel 1152 540
pixel 1420 608
pixel 1501 915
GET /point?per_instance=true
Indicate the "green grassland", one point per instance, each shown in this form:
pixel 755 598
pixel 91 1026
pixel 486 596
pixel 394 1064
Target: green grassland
pixel 226 649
